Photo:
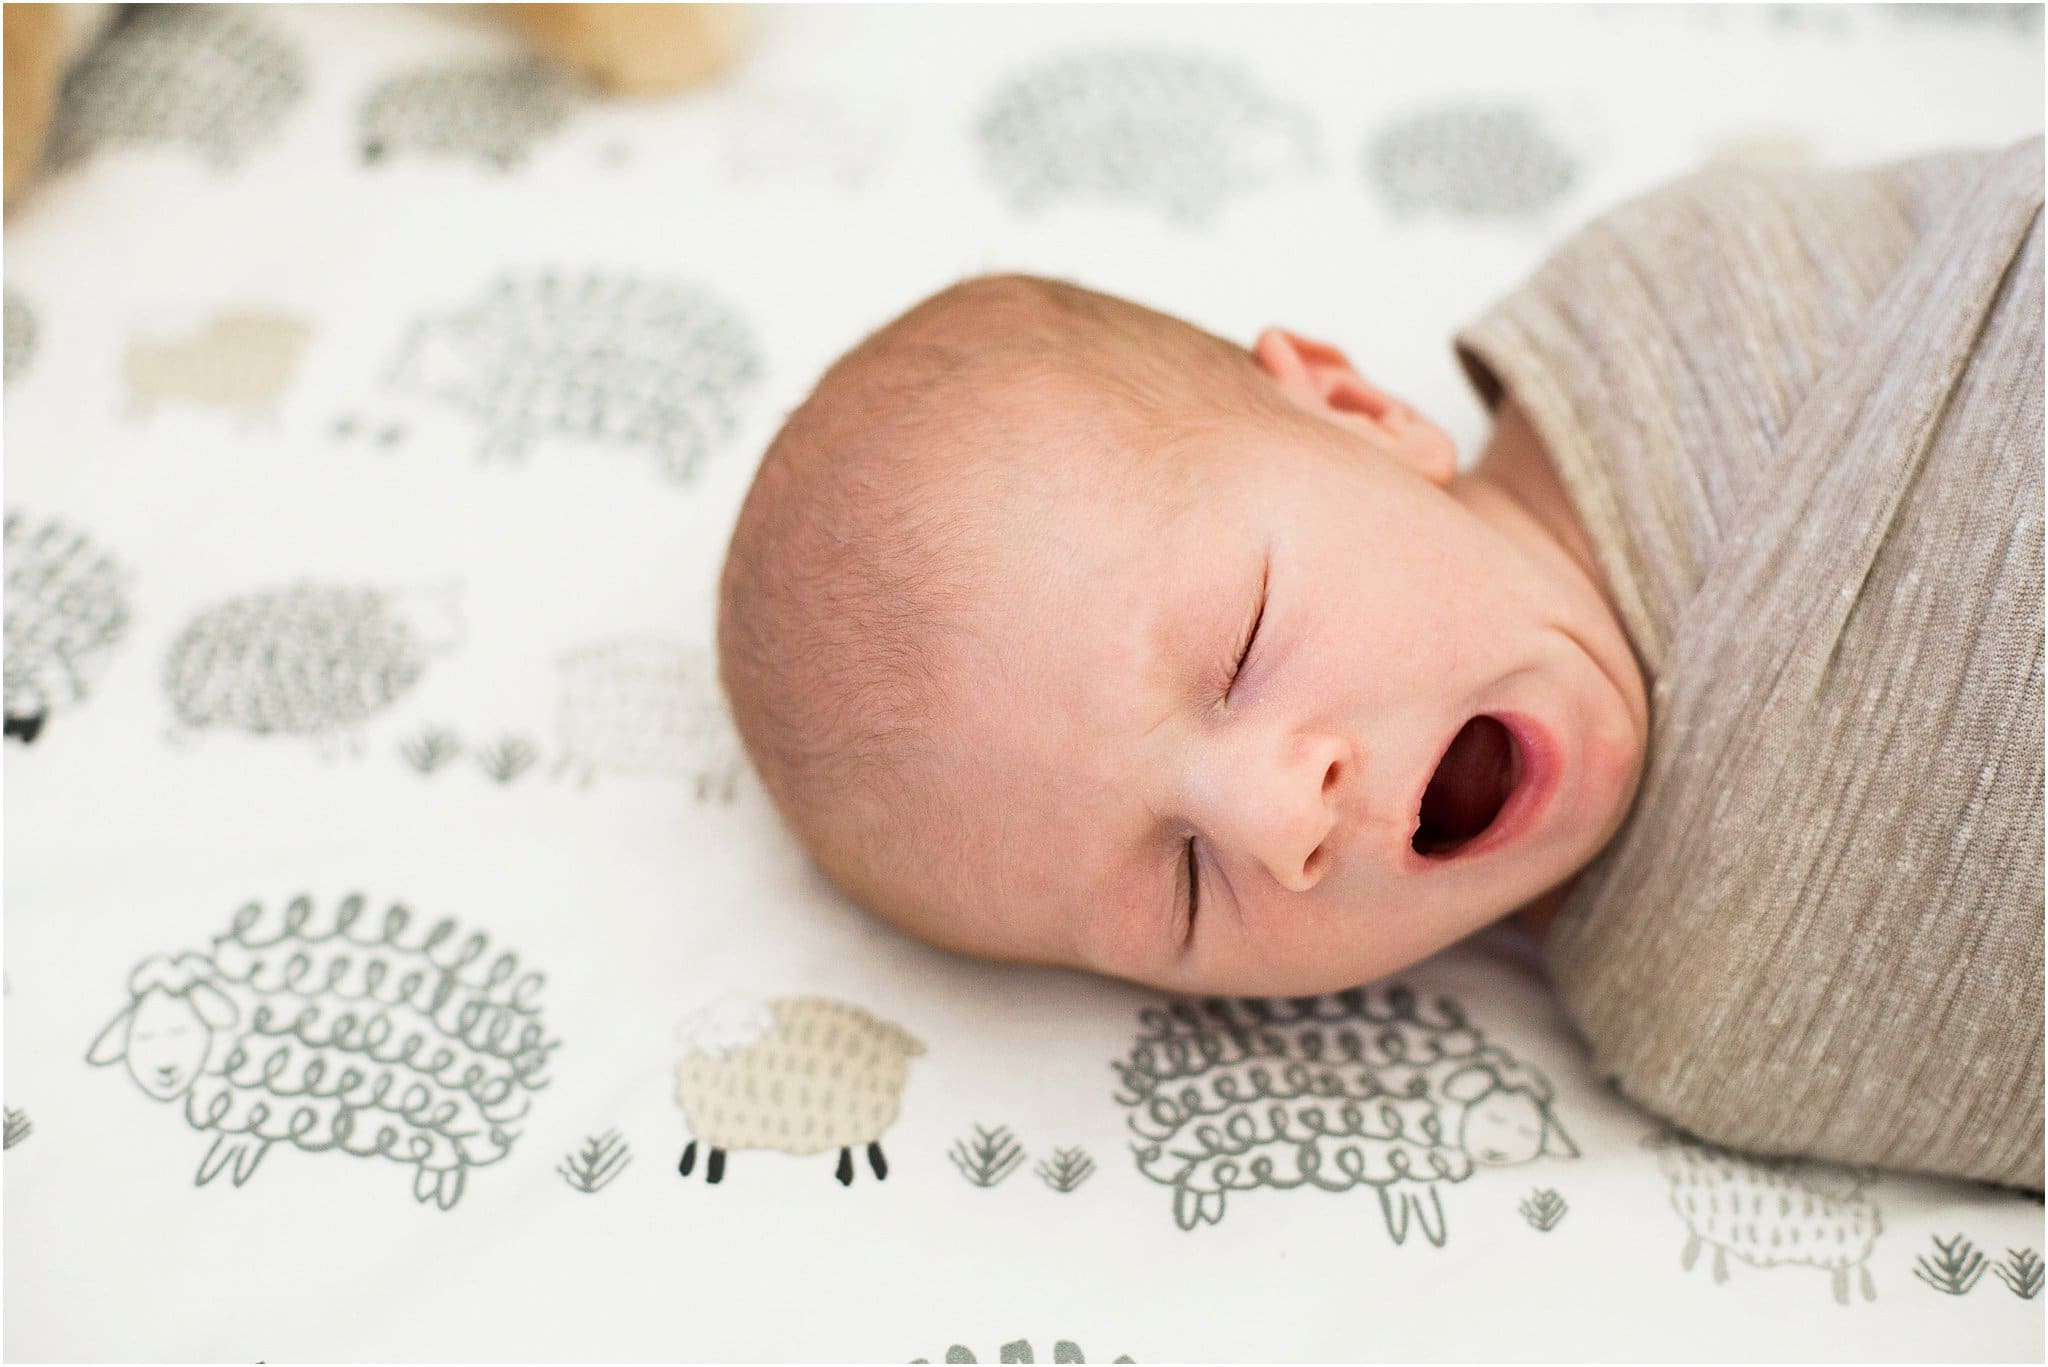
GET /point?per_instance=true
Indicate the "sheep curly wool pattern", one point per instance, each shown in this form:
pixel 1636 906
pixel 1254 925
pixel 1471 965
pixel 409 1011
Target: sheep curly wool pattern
pixel 339 1032
pixel 1372 1087
pixel 309 659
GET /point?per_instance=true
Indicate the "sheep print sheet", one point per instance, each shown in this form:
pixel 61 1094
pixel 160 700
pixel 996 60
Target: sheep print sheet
pixel 401 962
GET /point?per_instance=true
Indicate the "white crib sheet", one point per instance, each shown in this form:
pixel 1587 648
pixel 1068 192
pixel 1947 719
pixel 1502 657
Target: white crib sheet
pixel 376 412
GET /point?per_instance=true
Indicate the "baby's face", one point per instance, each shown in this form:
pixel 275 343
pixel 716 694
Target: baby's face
pixel 1130 798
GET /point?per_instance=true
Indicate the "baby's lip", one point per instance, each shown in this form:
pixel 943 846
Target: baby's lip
pixel 1534 775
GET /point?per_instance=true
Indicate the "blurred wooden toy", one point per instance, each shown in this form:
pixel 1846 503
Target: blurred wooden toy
pixel 40 42
pixel 634 49
pixel 629 50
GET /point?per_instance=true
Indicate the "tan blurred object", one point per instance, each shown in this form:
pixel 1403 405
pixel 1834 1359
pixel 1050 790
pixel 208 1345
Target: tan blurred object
pixel 33 36
pixel 42 42
pixel 634 49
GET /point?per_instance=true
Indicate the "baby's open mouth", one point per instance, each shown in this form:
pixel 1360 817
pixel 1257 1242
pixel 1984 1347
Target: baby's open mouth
pixel 1472 783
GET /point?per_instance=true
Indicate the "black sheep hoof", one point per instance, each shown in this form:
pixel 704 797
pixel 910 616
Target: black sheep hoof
pixel 877 1162
pixel 714 1162
pixel 27 728
pixel 845 1173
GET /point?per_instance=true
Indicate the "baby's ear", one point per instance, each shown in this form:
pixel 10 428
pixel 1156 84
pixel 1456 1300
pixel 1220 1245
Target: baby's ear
pixel 1318 376
pixel 1322 380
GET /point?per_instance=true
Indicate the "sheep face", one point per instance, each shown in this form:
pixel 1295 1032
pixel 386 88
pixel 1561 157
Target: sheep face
pixel 1505 1127
pixel 164 1043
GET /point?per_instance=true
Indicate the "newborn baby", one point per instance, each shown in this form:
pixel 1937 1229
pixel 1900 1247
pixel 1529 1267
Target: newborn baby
pixel 1064 631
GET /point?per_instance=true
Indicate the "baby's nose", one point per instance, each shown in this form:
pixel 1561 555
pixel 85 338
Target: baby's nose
pixel 1294 811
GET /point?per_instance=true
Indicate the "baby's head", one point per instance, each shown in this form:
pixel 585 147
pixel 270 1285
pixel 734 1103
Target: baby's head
pixel 1060 630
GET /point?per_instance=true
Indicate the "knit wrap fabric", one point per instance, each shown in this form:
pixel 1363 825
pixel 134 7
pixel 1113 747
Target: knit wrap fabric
pixel 1800 414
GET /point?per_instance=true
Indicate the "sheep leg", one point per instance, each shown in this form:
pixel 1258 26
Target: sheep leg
pixel 217 1157
pixel 1395 1213
pixel 714 1166
pixel 845 1171
pixel 247 1159
pixel 238 1159
pixel 28 728
pixel 1841 1285
pixel 1869 1287
pixel 877 1162
pixel 1429 1213
pixel 689 1158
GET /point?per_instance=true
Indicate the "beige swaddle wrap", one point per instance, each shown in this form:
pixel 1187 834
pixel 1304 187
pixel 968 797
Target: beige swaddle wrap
pixel 1800 413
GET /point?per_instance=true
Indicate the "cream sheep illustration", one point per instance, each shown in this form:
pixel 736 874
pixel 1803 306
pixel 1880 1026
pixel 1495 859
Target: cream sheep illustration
pixel 241 360
pixel 1359 1088
pixel 339 1032
pixel 1770 1212
pixel 802 1075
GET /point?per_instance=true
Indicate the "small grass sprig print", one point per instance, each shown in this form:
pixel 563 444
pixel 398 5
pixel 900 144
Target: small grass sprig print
pixel 992 1156
pixel 1955 1269
pixel 2021 1272
pixel 431 749
pixel 1066 1169
pixel 507 758
pixel 18 1127
pixel 1543 1209
pixel 602 1157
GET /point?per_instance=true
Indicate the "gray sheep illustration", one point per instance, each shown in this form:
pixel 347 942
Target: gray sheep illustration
pixel 240 361
pixel 1178 132
pixel 801 1075
pixel 493 111
pixel 647 706
pixel 20 337
pixel 1366 1087
pixel 615 360
pixel 211 77
pixel 1473 161
pixel 1770 1212
pixel 312 659
pixel 67 606
pixel 1019 1351
pixel 340 1032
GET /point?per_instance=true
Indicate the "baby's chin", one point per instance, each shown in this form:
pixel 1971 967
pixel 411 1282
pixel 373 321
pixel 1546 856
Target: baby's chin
pixel 1314 964
pixel 1263 976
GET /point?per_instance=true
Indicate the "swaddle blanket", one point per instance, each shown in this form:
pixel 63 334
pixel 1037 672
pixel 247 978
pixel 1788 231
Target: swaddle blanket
pixel 1801 416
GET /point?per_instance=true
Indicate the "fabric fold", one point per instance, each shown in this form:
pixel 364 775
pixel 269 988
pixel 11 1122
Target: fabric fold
pixel 1801 417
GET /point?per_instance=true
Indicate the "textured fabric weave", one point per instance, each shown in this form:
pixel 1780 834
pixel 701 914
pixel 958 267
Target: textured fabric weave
pixel 1800 413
